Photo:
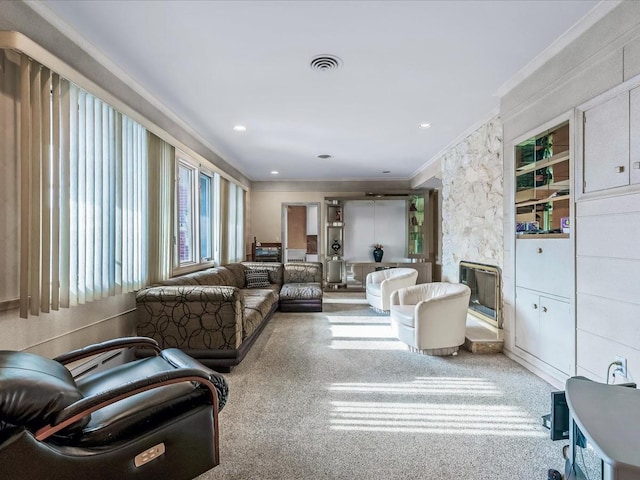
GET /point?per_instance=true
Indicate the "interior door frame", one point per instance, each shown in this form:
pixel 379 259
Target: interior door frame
pixel 284 221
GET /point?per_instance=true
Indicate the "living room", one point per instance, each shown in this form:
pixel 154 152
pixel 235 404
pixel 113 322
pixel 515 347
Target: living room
pixel 592 64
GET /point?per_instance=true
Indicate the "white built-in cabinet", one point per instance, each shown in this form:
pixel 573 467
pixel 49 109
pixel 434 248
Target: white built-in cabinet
pixel 544 324
pixel 612 142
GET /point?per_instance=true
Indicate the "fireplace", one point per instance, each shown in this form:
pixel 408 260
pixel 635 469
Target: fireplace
pixel 485 282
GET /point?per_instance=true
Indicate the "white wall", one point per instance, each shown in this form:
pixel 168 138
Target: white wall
pixel 607 300
pixel 369 222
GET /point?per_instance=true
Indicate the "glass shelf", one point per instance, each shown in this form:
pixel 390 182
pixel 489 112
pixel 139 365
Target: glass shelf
pixel 543 184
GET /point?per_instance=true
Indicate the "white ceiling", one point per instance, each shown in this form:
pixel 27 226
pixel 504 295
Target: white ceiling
pixel 216 64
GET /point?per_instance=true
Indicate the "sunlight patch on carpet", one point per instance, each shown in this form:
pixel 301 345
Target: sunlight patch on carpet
pixel 424 386
pixel 451 418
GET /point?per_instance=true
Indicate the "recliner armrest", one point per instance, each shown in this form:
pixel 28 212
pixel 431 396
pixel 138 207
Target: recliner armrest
pixel 115 344
pixel 88 405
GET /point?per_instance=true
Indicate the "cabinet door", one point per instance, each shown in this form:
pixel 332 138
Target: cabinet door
pixel 556 334
pixel 527 321
pixel 634 132
pixel 606 144
pixel 545 264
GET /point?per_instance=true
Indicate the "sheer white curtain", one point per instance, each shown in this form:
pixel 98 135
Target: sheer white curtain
pixel 84 177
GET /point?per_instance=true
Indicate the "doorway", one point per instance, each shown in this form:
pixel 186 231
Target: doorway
pixel 300 232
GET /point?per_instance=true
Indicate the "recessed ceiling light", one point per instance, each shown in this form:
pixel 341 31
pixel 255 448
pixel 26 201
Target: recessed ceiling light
pixel 324 156
pixel 240 128
pixel 424 125
pixel 274 172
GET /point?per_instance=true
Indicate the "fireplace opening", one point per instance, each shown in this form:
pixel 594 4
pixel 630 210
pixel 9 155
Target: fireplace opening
pixel 485 283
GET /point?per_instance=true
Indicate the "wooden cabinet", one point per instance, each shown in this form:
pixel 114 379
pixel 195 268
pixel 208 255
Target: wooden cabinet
pixel 612 143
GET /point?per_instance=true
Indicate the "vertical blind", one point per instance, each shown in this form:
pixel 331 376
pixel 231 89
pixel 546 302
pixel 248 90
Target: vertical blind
pixel 84 176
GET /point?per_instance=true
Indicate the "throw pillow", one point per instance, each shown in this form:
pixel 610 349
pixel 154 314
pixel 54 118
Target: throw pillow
pixel 257 278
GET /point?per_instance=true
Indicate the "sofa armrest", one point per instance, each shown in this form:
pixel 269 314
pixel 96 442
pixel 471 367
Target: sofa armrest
pixel 191 316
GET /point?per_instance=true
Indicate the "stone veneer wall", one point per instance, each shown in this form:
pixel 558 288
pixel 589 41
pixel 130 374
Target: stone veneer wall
pixel 472 208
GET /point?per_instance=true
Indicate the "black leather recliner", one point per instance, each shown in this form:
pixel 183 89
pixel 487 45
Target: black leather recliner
pixel 150 418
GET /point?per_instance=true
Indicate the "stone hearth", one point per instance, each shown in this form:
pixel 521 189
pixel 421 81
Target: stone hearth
pixel 482 337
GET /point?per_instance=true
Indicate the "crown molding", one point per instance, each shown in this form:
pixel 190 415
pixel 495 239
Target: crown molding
pixel 593 16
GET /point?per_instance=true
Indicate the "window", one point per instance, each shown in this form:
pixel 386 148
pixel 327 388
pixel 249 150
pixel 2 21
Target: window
pixel 186 203
pixel 197 240
pixel 84 168
pixel 236 223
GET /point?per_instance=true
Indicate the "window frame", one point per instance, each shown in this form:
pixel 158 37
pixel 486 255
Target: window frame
pixel 196 262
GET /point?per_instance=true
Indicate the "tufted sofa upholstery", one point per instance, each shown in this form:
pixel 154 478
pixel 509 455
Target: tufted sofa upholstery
pixel 212 315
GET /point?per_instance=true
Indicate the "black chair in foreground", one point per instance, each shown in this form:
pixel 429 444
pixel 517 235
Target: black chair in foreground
pixel 150 418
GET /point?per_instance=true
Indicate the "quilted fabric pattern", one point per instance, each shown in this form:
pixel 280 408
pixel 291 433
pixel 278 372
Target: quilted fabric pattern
pixel 303 272
pixel 191 317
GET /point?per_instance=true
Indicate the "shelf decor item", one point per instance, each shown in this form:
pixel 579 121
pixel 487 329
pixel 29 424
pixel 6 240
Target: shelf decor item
pixel 378 252
pixel 336 246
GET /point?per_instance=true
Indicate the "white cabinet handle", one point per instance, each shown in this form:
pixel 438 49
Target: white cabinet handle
pixel 619 169
pixel 535 306
pixel 544 309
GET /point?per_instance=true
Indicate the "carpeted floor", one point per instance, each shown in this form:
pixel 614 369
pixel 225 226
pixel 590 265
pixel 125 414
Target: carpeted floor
pixel 332 396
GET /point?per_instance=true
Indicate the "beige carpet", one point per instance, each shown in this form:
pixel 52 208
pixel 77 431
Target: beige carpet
pixel 332 396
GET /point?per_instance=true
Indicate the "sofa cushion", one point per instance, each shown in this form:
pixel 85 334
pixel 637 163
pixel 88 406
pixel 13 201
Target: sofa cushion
pixel 256 278
pixel 300 291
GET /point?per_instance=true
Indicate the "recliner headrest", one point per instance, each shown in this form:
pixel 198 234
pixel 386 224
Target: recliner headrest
pixel 33 389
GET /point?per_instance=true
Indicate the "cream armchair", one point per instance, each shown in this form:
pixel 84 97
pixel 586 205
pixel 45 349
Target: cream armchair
pixel 431 317
pixel 382 283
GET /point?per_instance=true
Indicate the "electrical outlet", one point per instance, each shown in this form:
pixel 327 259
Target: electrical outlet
pixel 622 368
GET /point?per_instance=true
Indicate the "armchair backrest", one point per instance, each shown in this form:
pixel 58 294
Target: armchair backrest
pixel 380 275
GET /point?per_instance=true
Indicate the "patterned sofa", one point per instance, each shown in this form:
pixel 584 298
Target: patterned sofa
pixel 215 315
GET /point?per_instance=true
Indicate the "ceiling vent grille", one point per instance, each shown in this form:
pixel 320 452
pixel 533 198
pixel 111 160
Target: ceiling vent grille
pixel 325 63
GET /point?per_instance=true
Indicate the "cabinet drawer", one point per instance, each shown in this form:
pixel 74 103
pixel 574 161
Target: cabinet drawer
pixel 545 265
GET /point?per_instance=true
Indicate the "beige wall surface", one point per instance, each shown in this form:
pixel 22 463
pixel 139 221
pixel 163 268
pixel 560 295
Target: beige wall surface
pixel 606 311
pixel 266 212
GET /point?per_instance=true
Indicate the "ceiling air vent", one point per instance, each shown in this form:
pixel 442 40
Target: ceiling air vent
pixel 324 63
